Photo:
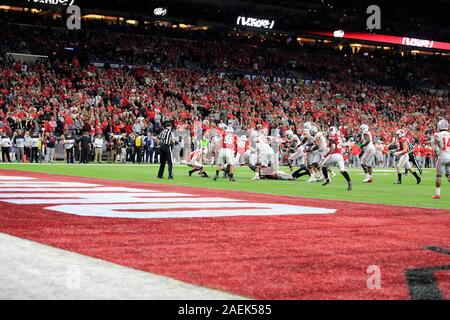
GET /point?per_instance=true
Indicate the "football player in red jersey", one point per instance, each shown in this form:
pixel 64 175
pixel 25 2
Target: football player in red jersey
pixel 195 160
pixel 334 157
pixel 227 153
pixel 403 154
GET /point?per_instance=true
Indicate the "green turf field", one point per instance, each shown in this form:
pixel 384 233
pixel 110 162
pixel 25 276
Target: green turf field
pixel 381 191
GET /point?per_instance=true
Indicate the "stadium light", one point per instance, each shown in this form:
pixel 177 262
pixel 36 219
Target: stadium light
pixel 338 34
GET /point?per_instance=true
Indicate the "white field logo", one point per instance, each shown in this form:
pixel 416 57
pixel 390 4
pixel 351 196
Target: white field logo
pixel 94 200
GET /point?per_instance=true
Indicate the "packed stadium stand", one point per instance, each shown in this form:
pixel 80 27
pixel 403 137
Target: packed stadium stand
pixel 114 78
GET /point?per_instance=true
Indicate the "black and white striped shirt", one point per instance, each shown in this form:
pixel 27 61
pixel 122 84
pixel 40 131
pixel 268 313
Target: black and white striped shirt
pixel 166 137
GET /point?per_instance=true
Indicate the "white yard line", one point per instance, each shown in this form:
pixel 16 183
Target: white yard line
pixel 30 270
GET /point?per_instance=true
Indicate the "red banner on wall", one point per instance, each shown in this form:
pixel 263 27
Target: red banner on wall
pixel 405 41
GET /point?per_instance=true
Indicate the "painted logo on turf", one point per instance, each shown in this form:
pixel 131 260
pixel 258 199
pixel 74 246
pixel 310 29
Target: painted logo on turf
pixel 95 200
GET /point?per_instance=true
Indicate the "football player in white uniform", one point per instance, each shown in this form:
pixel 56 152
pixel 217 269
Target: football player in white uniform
pixel 265 155
pixel 369 152
pixel 403 154
pixel 296 152
pixel 441 144
pixel 316 153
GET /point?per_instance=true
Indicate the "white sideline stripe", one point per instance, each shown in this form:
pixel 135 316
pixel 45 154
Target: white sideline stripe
pixel 47 184
pixel 29 270
pixel 188 201
pixel 15 178
pixel 122 197
pixel 76 189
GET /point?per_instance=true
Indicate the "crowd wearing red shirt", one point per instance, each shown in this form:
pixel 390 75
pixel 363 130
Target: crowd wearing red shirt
pixel 183 80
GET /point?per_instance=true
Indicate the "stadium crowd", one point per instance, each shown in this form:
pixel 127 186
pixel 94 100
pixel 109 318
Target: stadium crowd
pixel 200 85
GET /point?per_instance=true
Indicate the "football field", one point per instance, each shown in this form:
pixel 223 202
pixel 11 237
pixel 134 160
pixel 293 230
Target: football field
pixel 382 191
pixel 118 232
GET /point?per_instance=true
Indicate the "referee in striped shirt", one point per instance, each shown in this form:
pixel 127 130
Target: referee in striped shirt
pixel 167 142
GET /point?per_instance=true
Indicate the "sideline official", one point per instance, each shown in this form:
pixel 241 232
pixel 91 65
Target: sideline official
pixel 167 142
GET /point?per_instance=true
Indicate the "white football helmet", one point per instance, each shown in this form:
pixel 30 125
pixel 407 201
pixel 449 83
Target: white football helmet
pixel 229 129
pixel 289 134
pixel 307 125
pixel 400 133
pixel 333 131
pixel 243 138
pixel 313 130
pixel 442 125
pixel 364 128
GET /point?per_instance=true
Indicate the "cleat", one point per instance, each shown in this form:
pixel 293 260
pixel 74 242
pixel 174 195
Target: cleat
pixel 349 188
pixel 327 181
pixel 312 179
pixel 419 181
pixel 255 178
pixel 436 197
pixel 170 178
pixel 215 177
pixel 369 180
pixel 398 182
pixel 232 179
pixel 190 173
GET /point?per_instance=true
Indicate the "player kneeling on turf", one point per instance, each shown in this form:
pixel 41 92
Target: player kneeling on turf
pixel 195 160
pixel 441 143
pixel 334 157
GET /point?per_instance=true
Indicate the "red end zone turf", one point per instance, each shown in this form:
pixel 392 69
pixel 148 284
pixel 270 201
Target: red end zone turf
pixel 295 256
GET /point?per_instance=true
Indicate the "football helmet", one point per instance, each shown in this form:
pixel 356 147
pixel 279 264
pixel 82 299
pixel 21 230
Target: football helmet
pixel 364 128
pixel 442 124
pixel 313 130
pixel 307 125
pixel 400 133
pixel 333 131
pixel 289 134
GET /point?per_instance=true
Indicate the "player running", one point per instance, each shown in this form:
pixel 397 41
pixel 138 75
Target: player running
pixel 334 157
pixel 441 144
pixel 369 152
pixel 294 149
pixel 403 153
pixel 226 153
pixel 195 160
